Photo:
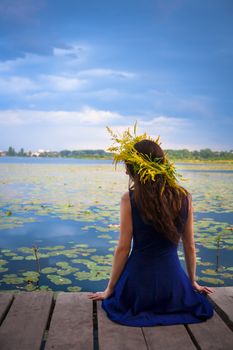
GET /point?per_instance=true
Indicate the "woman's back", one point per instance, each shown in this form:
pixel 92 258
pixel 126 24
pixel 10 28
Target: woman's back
pixel 145 236
pixel 153 288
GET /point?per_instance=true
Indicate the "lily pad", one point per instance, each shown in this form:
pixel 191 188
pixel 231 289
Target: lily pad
pixel 211 280
pixel 63 264
pixel 3 262
pixel 68 271
pixel 74 289
pixel 12 279
pixel 48 270
pixel 17 257
pixel 58 280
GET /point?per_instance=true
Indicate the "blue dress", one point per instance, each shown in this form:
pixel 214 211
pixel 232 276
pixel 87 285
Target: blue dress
pixel 153 289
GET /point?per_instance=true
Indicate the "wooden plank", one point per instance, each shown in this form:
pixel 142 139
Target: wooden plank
pixel 212 334
pixel 26 321
pixel 115 336
pixel 5 301
pixel 71 324
pixel 223 301
pixel 168 337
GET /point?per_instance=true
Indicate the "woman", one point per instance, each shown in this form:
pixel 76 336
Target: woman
pixel 149 287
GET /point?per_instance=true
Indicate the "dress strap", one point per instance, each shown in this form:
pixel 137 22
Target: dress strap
pixel 185 209
pixel 131 197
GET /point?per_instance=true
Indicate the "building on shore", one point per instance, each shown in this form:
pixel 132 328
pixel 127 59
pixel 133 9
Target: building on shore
pixel 2 153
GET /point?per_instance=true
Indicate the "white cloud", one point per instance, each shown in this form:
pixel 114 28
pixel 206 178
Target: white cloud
pixel 85 129
pixel 62 83
pixel 62 57
pixel 27 60
pixel 17 84
pixel 103 73
pixel 165 123
pixel 44 83
pixel 86 115
pixel 93 116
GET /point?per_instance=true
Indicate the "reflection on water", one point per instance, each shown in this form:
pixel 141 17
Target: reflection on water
pixel 59 223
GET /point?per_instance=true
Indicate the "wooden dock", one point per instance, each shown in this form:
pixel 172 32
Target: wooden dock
pixel 70 321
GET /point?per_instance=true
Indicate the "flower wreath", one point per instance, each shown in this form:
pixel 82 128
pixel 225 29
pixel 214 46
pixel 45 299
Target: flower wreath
pixel 146 167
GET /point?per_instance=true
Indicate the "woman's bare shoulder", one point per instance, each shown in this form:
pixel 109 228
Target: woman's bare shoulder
pixel 125 197
pixel 190 200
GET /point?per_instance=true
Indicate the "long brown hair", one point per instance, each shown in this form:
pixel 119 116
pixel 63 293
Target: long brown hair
pixel 164 211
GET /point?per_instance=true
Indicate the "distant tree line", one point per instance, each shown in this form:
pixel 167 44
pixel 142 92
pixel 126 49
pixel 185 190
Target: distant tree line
pixel 85 153
pixel 203 154
pixel 64 153
pixel 11 152
pixel 181 154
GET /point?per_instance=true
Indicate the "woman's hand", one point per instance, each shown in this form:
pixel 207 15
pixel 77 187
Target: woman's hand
pixel 202 289
pixel 101 295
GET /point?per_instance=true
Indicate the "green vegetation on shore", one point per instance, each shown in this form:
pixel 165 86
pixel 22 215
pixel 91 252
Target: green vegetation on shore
pixel 205 155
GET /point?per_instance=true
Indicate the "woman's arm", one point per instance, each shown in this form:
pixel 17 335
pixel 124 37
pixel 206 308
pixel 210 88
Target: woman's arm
pixel 190 251
pixel 189 244
pixel 123 248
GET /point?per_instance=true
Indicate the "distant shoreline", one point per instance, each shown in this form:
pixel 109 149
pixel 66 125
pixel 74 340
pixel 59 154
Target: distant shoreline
pixel 181 155
pixel 178 160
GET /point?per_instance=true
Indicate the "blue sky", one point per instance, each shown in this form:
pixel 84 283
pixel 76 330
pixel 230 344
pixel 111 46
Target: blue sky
pixel 69 68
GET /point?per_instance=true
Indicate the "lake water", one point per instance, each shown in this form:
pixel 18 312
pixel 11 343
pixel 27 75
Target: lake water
pixel 59 222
